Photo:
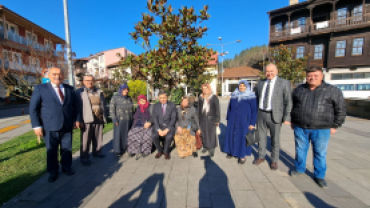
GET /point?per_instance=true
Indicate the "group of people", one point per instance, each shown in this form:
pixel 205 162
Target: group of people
pixel 314 110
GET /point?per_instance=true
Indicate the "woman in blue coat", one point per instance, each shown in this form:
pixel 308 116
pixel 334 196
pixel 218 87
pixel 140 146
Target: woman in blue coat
pixel 241 118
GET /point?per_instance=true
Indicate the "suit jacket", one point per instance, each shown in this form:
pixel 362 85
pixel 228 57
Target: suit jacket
pixel 47 112
pixel 191 117
pixel 166 121
pixel 281 100
pixel 84 106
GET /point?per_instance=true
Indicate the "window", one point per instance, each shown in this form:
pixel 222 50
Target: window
pixel 17 58
pixel 342 16
pixel 336 76
pixel 300 52
pixel 302 22
pixel 278 28
pixel 346 87
pixel 1 25
pixel 363 87
pixel 357 13
pixel 341 49
pixel 318 51
pixel 358 44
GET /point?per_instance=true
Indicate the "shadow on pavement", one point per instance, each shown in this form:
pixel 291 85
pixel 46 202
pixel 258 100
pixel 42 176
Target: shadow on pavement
pixel 218 193
pixel 152 186
pixel 316 201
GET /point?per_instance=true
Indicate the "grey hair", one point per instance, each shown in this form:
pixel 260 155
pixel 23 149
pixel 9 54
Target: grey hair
pixel 272 65
pixel 89 75
pixel 162 92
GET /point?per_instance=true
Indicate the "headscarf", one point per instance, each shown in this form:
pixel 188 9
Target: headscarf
pixel 145 106
pixel 121 88
pixel 206 98
pixel 247 94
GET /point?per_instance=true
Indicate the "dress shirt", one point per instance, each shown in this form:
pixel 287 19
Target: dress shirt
pixel 57 92
pixel 163 113
pixel 269 103
pixel 55 87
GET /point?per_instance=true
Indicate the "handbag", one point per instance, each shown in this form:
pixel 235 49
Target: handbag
pixel 252 137
pixel 218 130
pixel 198 139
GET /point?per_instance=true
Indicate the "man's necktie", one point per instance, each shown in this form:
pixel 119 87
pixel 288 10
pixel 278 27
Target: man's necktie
pixel 267 94
pixel 61 94
pixel 163 110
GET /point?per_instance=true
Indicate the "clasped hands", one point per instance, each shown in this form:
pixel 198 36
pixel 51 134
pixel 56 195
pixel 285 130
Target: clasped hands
pixel 163 133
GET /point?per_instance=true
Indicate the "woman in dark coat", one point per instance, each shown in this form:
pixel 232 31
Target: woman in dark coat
pixel 209 118
pixel 140 135
pixel 187 126
pixel 121 111
pixel 241 118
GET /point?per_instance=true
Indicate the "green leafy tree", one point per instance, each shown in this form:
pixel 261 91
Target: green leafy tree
pixel 176 56
pixel 289 67
pixel 137 87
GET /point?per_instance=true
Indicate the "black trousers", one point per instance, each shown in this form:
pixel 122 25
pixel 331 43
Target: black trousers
pixel 167 142
pixel 54 139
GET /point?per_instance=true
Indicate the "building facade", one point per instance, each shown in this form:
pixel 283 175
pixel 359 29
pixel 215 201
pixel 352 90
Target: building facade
pixel 334 34
pixel 25 49
pixel 232 76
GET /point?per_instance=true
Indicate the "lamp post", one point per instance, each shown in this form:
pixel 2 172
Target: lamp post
pixel 222 63
pixel 69 48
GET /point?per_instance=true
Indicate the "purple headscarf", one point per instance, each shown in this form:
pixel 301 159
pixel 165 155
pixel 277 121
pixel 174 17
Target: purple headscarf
pixel 121 88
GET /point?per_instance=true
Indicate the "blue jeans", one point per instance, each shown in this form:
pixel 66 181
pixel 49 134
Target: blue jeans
pixel 319 139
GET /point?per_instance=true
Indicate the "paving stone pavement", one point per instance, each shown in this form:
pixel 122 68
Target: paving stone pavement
pixel 213 182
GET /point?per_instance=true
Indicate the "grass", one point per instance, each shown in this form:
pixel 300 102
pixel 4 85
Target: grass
pixel 23 161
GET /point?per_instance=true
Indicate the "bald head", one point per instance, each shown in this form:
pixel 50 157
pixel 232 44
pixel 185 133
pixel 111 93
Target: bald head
pixel 271 71
pixel 56 76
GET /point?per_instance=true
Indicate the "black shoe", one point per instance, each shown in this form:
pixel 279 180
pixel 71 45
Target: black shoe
pixel 53 177
pixel 241 161
pixel 68 171
pixel 321 182
pixel 131 155
pixel 195 154
pixel 204 150
pixel 99 155
pixel 144 155
pixel 228 156
pixel 295 173
pixel 86 162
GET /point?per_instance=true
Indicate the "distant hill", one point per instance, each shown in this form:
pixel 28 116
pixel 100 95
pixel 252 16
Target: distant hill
pixel 248 57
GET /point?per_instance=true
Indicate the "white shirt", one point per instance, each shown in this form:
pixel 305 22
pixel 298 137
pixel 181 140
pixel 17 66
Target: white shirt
pixel 57 91
pixel 272 86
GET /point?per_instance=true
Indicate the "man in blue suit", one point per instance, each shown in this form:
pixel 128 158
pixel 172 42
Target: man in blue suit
pixel 53 115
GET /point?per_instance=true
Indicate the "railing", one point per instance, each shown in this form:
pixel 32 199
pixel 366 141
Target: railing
pixel 17 38
pixel 289 32
pixel 19 67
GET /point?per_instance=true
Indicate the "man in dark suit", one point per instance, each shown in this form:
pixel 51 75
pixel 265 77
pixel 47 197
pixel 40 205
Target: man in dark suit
pixel 53 115
pixel 164 119
pixel 275 104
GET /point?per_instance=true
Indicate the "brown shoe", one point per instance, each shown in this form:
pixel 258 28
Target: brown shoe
pixel 167 156
pixel 158 155
pixel 258 161
pixel 274 166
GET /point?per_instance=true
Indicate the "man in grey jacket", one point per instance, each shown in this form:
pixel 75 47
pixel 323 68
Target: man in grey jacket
pixel 92 107
pixel 274 104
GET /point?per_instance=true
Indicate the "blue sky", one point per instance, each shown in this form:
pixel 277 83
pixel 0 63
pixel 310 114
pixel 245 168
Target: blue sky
pixel 98 25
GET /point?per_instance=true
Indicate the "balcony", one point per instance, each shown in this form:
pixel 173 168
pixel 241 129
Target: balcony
pixel 321 27
pixel 12 65
pixel 28 43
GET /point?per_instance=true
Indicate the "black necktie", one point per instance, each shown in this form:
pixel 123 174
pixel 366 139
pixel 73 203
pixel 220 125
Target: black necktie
pixel 267 93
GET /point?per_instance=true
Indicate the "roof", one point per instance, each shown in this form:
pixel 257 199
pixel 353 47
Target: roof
pixel 241 72
pixel 114 64
pixel 98 53
pixel 26 21
pixel 215 61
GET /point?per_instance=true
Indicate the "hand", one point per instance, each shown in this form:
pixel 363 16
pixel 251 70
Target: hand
pixel 199 132
pixel 79 125
pixel 286 123
pixel 333 131
pixel 147 125
pixel 160 132
pixel 179 130
pixel 251 128
pixel 165 132
pixel 39 132
pixel 116 124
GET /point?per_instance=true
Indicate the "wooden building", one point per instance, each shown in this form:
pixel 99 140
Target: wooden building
pixel 334 34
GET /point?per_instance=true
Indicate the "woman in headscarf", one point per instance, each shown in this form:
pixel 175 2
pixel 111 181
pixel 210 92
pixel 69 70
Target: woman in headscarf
pixel 121 111
pixel 140 135
pixel 187 126
pixel 209 118
pixel 241 118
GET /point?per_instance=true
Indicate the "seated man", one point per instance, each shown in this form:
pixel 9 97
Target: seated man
pixel 164 119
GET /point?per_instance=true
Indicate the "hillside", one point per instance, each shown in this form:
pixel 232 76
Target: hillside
pixel 248 57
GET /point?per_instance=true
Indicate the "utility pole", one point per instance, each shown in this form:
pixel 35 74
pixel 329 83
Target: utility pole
pixel 69 47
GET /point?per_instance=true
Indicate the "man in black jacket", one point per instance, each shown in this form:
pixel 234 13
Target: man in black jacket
pixel 318 111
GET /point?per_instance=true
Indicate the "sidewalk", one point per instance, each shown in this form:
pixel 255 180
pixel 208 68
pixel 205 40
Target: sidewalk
pixel 13 127
pixel 217 182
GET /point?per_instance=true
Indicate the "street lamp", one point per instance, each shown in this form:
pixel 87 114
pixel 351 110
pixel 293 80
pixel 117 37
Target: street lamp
pixel 222 63
pixel 68 43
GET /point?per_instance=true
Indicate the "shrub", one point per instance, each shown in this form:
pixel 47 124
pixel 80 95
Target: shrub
pixel 137 87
